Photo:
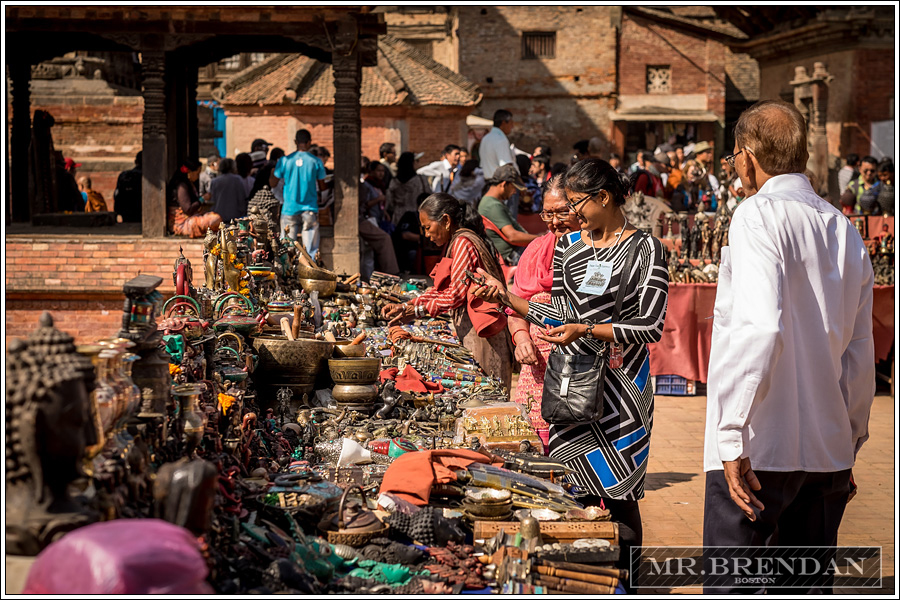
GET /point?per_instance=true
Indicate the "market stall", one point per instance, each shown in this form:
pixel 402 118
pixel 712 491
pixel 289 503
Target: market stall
pixel 263 431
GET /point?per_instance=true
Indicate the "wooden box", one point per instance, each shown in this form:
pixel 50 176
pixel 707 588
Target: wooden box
pixel 563 532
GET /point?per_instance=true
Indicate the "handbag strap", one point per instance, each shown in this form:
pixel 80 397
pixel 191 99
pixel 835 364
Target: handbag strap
pixel 626 272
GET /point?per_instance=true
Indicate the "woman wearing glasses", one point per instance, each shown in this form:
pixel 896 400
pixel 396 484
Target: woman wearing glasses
pixel 609 456
pixel 533 281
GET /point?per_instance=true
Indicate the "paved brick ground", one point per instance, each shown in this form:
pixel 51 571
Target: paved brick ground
pixel 672 508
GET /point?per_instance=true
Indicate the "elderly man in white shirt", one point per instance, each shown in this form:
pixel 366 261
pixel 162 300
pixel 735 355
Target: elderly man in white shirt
pixel 792 368
pixel 440 173
pixel 495 149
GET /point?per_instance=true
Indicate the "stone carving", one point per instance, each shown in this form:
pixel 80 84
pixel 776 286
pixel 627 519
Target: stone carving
pixel 48 427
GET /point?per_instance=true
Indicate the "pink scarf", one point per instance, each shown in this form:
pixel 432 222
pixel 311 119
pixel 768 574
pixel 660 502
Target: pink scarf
pixel 535 271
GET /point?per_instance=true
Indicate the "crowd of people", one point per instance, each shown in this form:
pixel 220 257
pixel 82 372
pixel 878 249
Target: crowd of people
pixel 790 388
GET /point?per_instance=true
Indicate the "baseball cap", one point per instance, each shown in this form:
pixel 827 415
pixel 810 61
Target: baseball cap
pixel 258 142
pixel 70 163
pixel 701 147
pixel 509 173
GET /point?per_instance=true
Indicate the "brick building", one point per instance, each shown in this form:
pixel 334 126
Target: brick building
pixel 848 54
pixel 408 98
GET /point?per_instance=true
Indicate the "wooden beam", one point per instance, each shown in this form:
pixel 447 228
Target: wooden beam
pixel 155 146
pixel 347 142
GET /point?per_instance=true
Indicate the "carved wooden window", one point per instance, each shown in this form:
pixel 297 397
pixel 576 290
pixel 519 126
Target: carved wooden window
pixel 538 44
pixel 659 79
pixel 232 63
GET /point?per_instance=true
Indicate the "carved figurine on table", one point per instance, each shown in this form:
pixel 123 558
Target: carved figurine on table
pixel 48 428
pixel 887 241
pixel 211 251
pixel 706 240
pixel 670 225
pixel 696 237
pixel 685 236
pixel 391 397
pixel 185 494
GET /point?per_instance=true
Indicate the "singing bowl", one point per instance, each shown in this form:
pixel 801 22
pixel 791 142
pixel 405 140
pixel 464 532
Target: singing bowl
pixel 351 393
pixel 291 363
pixel 304 272
pixel 323 286
pixel 343 349
pixel 354 370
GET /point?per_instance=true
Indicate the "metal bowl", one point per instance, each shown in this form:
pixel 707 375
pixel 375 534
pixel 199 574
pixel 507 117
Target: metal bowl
pixel 304 272
pixel 352 393
pixel 343 349
pixel 541 514
pixel 591 513
pixel 323 286
pixel 294 364
pixel 354 370
pixel 487 495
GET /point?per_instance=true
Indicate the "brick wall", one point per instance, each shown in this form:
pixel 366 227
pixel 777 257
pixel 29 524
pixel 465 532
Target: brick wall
pixel 697 63
pixel 103 133
pixel 426 129
pixel 556 100
pixel 873 90
pixel 80 278
pixel 85 320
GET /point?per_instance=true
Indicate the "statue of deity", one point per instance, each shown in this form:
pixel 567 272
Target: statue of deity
pixel 48 426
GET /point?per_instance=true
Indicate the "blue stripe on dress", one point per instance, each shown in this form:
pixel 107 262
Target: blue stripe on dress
pixel 601 468
pixel 631 438
pixel 643 375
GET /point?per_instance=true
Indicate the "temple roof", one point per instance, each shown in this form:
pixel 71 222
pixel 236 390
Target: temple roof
pixel 403 76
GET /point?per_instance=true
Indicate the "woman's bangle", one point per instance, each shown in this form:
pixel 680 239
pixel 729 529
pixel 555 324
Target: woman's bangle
pixel 525 331
pixel 589 331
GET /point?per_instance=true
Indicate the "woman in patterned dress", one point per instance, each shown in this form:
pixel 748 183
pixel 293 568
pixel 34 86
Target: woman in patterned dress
pixel 609 456
pixel 533 281
pixel 454 225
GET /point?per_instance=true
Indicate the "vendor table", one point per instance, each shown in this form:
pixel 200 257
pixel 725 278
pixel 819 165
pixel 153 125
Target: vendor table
pixel 684 347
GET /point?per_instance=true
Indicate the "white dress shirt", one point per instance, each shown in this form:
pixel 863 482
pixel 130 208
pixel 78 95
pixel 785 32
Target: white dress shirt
pixel 494 152
pixel 438 174
pixel 792 367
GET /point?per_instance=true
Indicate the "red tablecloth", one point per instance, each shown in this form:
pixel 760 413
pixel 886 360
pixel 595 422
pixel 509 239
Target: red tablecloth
pixel 684 347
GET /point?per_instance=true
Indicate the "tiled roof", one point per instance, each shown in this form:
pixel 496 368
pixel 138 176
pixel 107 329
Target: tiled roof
pixel 403 76
pixel 700 17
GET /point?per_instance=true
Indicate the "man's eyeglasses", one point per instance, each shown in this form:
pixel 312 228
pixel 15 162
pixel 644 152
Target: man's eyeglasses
pixel 562 215
pixel 730 158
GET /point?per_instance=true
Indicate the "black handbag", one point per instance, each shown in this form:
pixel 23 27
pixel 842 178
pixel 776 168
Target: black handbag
pixel 574 383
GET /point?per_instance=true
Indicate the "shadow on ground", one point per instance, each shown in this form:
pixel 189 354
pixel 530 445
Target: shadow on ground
pixel 658 481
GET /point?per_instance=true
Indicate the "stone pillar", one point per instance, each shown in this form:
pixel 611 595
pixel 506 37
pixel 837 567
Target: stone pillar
pixel 155 149
pixel 347 142
pixel 19 205
pixel 811 99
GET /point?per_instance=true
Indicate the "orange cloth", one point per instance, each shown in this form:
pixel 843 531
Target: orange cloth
pixel 412 475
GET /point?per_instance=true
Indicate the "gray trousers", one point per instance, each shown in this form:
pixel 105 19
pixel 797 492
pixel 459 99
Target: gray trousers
pixel 801 509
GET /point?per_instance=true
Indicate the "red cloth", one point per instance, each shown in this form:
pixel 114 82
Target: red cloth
pixel 687 336
pixel 412 475
pixel 535 272
pixel 684 349
pixel 411 381
pixel 388 374
pixel 883 320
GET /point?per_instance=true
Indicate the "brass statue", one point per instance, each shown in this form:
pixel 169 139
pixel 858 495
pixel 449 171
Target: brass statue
pixel 209 258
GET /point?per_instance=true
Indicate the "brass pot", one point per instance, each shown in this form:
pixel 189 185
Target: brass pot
pixel 304 272
pixel 354 370
pixel 294 364
pixel 323 286
pixel 343 349
pixel 351 393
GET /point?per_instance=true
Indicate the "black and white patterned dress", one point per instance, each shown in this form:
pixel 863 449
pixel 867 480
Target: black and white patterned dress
pixel 610 455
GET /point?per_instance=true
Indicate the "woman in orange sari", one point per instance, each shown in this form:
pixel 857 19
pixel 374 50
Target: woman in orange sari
pixel 533 280
pixel 187 215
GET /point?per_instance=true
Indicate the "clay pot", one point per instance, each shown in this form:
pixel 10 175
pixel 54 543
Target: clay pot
pixel 354 370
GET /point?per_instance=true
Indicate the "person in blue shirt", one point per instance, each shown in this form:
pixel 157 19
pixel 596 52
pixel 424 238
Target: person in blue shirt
pixel 304 176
